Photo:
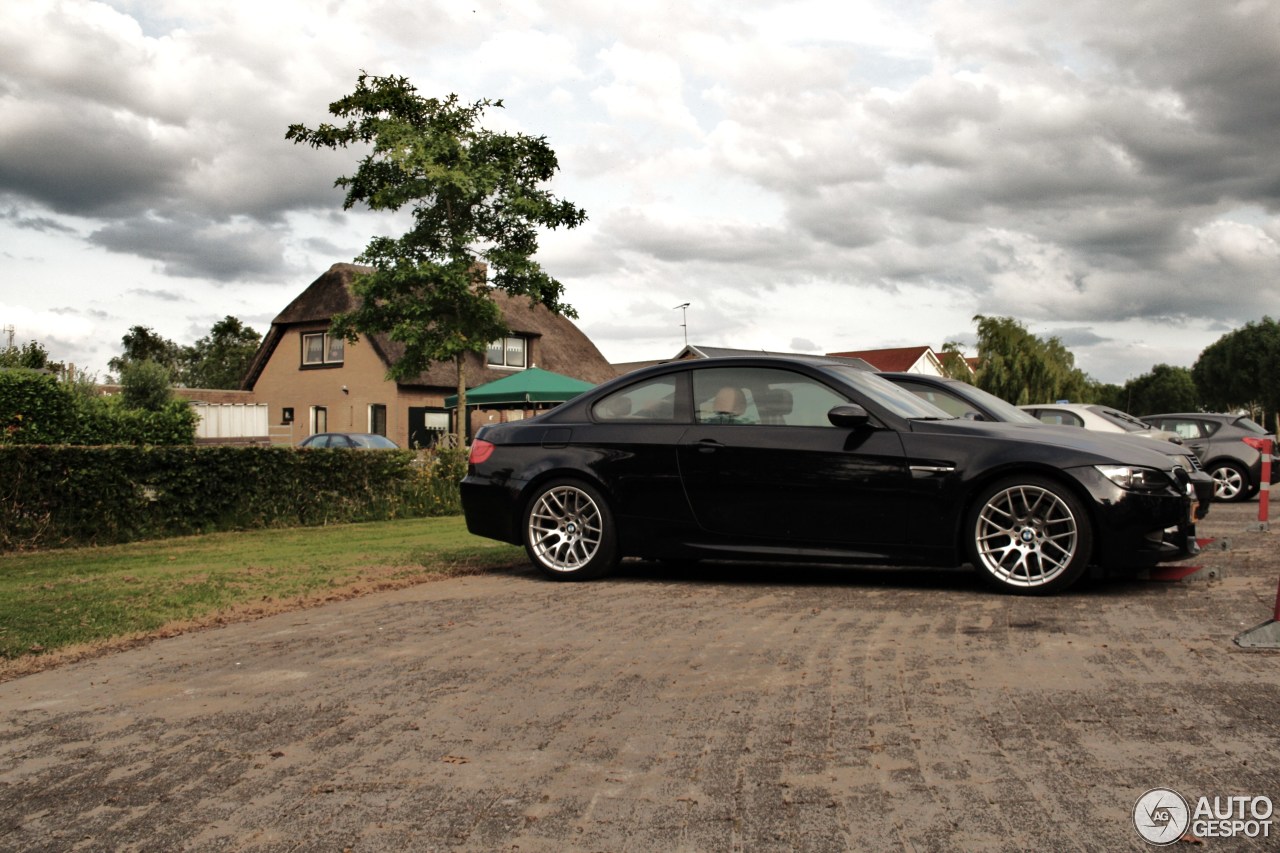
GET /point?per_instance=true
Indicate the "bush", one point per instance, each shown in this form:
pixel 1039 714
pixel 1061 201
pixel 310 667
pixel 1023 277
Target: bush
pixel 63 496
pixel 33 408
pixel 36 409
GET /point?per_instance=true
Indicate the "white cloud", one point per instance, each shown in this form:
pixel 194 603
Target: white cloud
pixel 886 170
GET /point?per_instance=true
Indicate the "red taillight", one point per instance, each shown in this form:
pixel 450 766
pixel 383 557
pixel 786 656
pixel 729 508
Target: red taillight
pixel 480 451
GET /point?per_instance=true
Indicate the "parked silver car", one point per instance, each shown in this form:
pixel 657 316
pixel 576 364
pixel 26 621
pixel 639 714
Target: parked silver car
pixel 1236 467
pixel 1097 417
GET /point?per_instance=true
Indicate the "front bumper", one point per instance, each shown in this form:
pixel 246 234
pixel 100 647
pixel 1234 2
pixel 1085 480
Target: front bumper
pixel 1135 529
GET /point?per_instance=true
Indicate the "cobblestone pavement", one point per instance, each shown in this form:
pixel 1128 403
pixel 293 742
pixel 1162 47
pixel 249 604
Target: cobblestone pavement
pixel 723 708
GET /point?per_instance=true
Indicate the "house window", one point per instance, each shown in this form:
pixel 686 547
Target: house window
pixel 319 419
pixel 320 349
pixel 378 419
pixel 509 352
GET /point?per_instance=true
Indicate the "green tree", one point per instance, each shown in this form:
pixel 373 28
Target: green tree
pixel 221 358
pixel 141 343
pixel 1164 389
pixel 145 385
pixel 477 197
pixel 1109 394
pixel 31 355
pixel 954 363
pixel 1239 369
pixel 1024 369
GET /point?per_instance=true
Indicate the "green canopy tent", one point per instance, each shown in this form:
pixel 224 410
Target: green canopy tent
pixel 534 388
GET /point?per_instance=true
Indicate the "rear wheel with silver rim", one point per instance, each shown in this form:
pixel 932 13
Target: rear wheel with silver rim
pixel 569 532
pixel 1029 534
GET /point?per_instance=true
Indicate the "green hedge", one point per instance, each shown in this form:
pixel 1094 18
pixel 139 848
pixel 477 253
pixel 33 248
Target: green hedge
pixel 37 409
pixel 55 496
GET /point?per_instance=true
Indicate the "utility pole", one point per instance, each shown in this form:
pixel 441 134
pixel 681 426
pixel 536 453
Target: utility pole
pixel 9 330
pixel 684 320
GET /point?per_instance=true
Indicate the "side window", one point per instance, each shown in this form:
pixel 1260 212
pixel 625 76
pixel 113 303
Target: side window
pixel 945 400
pixel 1187 430
pixel 761 396
pixel 656 400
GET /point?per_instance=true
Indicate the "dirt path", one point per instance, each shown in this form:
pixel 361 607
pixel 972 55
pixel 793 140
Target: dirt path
pixel 766 709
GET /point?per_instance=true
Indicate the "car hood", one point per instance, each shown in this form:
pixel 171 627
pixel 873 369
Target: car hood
pixel 1093 448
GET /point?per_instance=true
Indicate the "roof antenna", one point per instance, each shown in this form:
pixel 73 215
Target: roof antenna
pixel 684 320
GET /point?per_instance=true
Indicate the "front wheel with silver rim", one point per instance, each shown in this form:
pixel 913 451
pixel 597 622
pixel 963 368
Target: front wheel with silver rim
pixel 569 532
pixel 1029 535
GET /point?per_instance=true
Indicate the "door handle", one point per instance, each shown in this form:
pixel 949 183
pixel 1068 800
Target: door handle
pixel 708 445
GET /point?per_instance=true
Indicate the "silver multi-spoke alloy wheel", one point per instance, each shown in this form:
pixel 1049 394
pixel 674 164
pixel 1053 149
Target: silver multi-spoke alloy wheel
pixel 565 529
pixel 1229 482
pixel 1027 536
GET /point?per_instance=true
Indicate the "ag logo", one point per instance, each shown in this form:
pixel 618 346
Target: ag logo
pixel 1161 816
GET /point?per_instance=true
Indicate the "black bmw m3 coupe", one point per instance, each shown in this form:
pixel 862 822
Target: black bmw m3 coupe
pixel 813 459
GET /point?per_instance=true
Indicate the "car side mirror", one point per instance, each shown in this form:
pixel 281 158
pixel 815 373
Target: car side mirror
pixel 974 416
pixel 849 416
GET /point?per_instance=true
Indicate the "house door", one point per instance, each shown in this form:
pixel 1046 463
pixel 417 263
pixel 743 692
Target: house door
pixel 427 425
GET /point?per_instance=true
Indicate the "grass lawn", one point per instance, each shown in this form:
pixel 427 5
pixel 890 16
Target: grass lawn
pixel 54 600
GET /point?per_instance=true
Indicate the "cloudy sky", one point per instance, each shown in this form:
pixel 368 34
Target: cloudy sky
pixel 809 176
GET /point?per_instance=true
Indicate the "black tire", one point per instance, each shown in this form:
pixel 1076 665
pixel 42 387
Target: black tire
pixel 1231 482
pixel 569 532
pixel 1029 535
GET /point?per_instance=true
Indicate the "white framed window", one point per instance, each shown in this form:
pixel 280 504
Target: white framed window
pixel 320 349
pixel 319 419
pixel 510 352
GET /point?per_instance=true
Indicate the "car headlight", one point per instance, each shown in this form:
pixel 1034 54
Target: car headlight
pixel 1135 478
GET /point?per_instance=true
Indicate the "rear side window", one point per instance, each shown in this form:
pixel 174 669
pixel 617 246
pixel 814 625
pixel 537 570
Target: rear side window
pixel 656 400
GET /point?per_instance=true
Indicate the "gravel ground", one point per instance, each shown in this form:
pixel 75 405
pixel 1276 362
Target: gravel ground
pixel 722 708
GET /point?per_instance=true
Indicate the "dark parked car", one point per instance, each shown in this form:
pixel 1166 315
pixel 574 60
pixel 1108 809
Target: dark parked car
pixel 967 401
pixel 349 441
pixel 1235 466
pixel 812 459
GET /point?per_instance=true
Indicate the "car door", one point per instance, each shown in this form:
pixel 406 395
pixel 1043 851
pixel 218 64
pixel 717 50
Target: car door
pixel 634 437
pixel 772 467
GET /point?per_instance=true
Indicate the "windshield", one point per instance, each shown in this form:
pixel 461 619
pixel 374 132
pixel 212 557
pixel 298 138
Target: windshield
pixel 900 401
pixel 374 442
pixel 1002 409
pixel 1128 423
pixel 1250 425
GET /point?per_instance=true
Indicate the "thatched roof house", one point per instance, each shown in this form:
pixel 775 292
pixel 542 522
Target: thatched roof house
pixel 316 384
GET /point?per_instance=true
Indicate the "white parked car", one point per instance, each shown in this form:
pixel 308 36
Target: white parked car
pixel 1097 417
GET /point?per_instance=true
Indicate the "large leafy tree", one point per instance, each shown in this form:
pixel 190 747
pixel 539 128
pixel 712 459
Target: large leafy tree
pixel 1238 370
pixel 1164 389
pixel 477 198
pixel 221 358
pixel 1024 369
pixel 142 343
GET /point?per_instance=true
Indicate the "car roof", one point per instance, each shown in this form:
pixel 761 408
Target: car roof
pixel 1086 406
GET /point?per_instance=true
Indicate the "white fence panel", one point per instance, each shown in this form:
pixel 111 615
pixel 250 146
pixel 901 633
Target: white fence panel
pixel 231 420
